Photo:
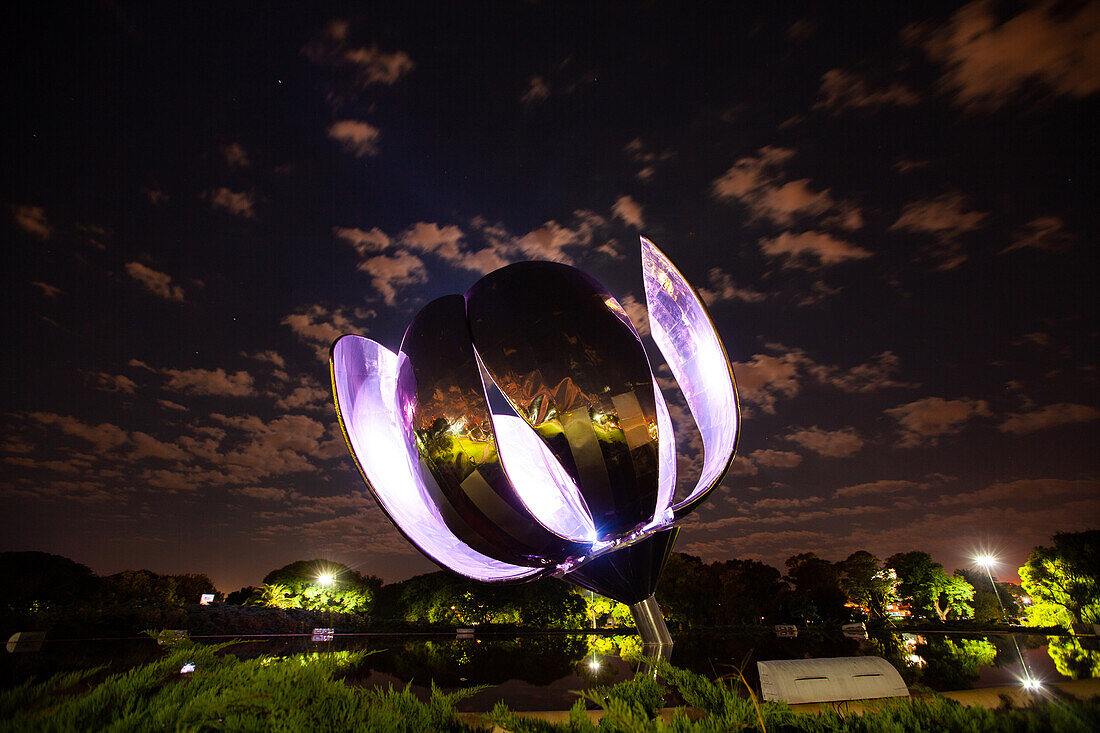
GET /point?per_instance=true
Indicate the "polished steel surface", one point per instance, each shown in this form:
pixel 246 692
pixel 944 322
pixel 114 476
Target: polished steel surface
pixel 685 334
pixel 650 622
pixel 442 396
pixel 364 381
pixel 555 343
pixel 580 481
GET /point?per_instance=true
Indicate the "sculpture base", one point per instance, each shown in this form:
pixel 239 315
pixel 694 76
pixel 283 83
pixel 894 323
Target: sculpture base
pixel 656 641
pixel 650 623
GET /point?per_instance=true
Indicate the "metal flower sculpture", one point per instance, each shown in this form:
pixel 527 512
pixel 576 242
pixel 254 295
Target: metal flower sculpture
pixel 579 480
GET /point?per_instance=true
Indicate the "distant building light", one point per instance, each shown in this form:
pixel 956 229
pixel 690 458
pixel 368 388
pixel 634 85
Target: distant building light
pixel 206 599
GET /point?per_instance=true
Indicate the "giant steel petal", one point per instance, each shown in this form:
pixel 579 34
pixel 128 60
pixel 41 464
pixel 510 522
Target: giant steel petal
pixel 540 481
pixel 683 331
pixel 364 377
pixel 666 451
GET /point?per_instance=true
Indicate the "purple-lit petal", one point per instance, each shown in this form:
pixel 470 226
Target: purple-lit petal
pixel 685 335
pixel 666 455
pixel 364 377
pixel 539 480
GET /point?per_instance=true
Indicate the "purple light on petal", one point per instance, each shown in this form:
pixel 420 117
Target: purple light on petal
pixel 666 455
pixel 685 335
pixel 544 487
pixel 365 380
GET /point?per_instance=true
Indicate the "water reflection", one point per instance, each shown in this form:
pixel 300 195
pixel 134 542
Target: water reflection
pixel 542 671
pixel 1073 657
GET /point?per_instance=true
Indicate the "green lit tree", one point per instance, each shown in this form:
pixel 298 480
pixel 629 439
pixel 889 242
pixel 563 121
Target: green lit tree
pixel 1064 580
pixel 928 589
pixel 302 584
pixel 867 585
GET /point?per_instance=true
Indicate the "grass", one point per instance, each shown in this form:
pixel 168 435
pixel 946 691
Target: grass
pixel 307 692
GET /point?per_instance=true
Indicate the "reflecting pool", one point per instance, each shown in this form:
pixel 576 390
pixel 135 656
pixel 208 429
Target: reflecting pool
pixel 542 671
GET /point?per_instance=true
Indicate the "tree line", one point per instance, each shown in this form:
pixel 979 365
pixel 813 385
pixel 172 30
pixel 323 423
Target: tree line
pixel 1059 587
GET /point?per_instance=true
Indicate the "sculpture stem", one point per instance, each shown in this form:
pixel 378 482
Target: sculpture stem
pixel 650 623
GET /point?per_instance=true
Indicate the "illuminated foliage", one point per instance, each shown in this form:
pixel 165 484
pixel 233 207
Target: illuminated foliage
pixel 302 584
pixel 1064 580
pixel 928 589
pixel 1072 659
pixel 866 584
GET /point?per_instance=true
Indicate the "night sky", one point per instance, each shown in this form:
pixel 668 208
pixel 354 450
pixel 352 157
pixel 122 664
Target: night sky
pixel 888 209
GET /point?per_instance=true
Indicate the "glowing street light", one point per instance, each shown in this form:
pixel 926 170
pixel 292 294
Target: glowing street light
pixel 326 579
pixel 1032 685
pixel 987 561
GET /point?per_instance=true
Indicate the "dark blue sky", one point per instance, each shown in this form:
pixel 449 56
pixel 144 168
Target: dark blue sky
pixel 889 213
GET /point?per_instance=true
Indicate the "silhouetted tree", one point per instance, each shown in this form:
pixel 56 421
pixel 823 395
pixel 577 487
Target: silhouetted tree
pixel 815 594
pixel 684 593
pixel 239 597
pixel 34 582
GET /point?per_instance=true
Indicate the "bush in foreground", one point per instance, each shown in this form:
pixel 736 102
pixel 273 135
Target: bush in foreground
pixel 307 692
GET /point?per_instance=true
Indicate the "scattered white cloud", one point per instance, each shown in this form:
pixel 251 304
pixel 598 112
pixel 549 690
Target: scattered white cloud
pixel 366 65
pixel 318 327
pixel 1049 416
pixel 1033 491
pixel 210 382
pixel 923 422
pixel 875 488
pixel 114 383
pixel 988 60
pixel 50 291
pixel 721 287
pixel 628 211
pixel 809 250
pixel 832 443
pixel 237 203
pixel 364 242
pixel 758 183
pixel 776 458
pixel 103 437
pixel 375 66
pixel 389 273
pixel 537 90
pixel 646 158
pixel 235 155
pixel 156 282
pixel 268 356
pixel 356 137
pixel 842 90
pixel 1046 234
pixel 946 218
pixel 32 220
pixel 767 378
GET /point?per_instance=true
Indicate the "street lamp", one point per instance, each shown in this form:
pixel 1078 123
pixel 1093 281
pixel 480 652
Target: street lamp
pixel 987 562
pixel 325 580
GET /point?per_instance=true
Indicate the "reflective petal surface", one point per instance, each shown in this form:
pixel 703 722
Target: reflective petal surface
pixel 364 381
pixel 541 483
pixel 686 337
pixel 441 395
pixel 556 345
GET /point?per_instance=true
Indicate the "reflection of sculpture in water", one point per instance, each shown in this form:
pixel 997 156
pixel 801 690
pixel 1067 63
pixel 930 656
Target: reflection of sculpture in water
pixel 579 480
pixel 1072 658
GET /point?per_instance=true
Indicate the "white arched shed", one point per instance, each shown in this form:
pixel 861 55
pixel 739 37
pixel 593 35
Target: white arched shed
pixel 825 680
